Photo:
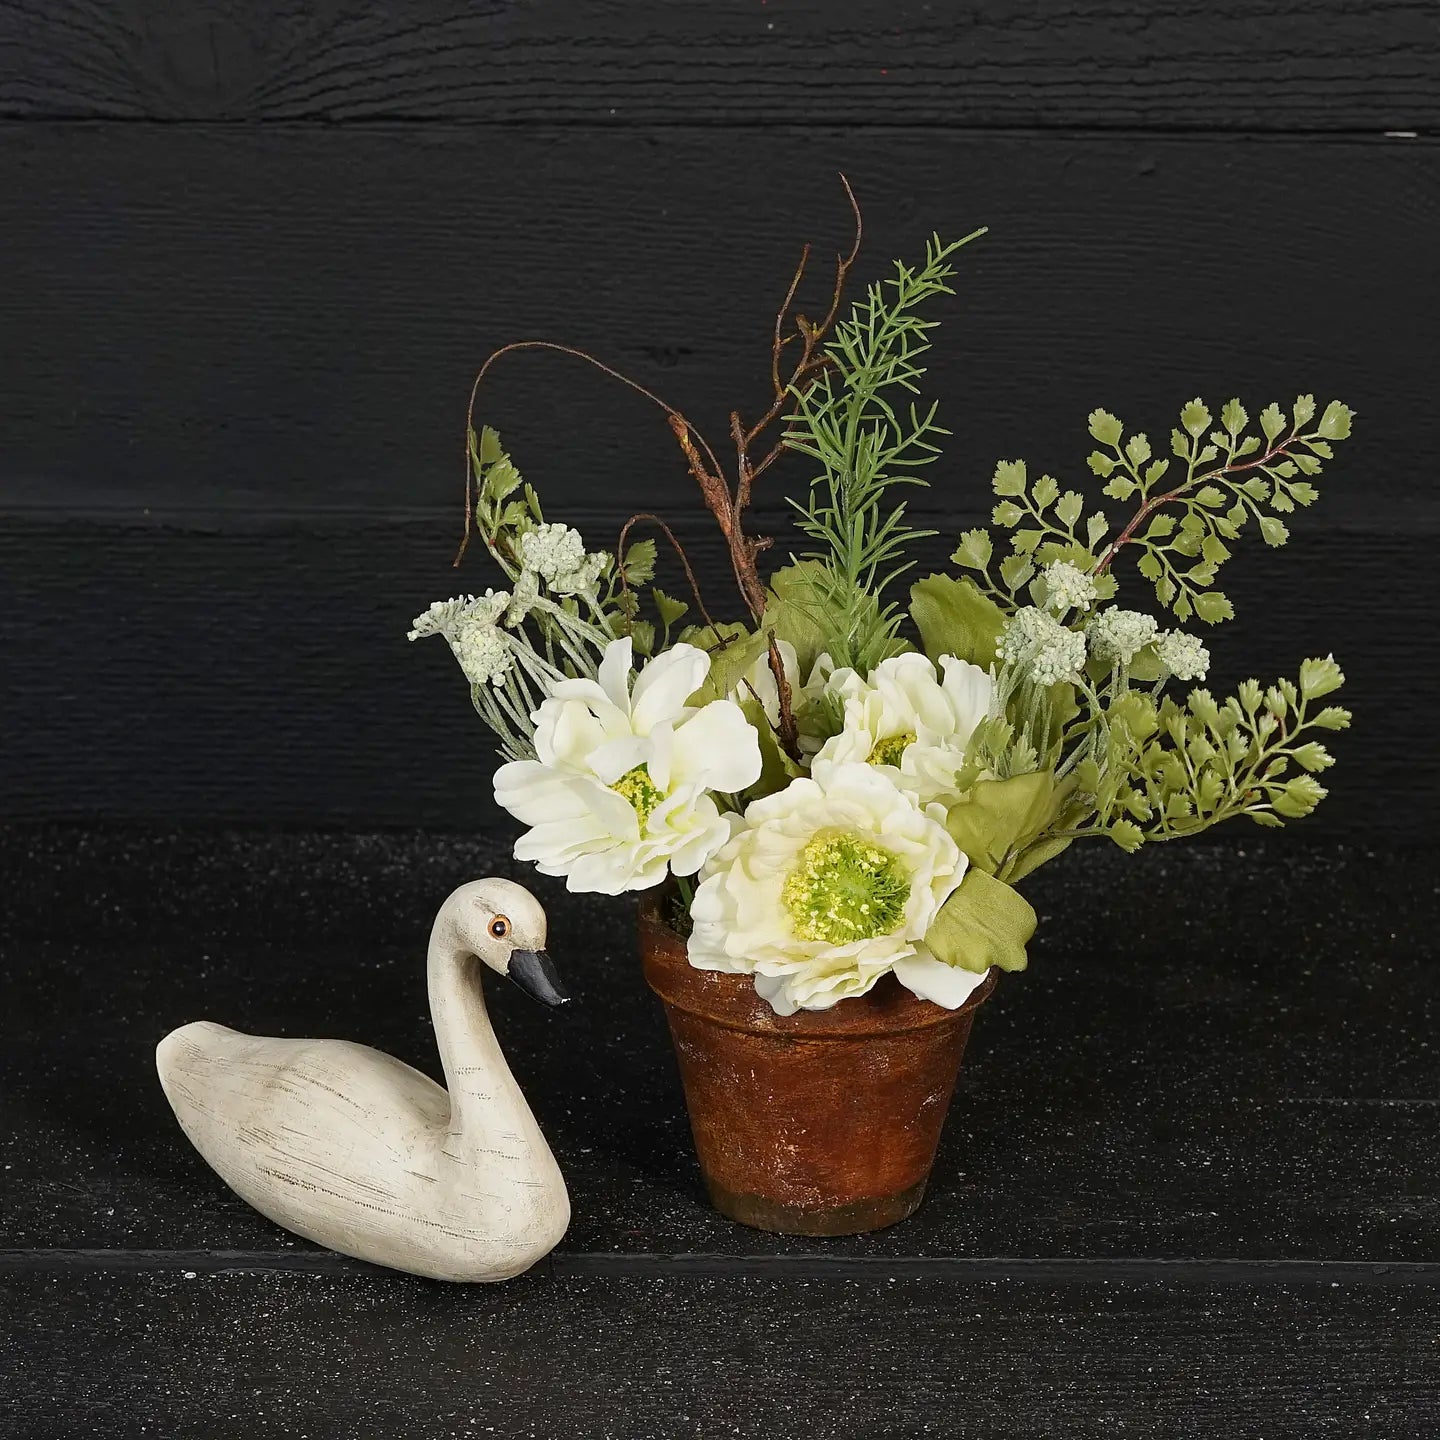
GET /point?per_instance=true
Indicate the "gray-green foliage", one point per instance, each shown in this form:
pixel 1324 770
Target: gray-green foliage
pixel 1190 506
pixel 1177 769
pixel 868 439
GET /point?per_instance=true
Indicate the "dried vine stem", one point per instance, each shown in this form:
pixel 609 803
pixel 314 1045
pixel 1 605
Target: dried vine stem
pixel 727 502
pixel 645 515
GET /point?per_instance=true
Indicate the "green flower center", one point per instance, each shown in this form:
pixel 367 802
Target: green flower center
pixel 845 888
pixel 641 791
pixel 889 750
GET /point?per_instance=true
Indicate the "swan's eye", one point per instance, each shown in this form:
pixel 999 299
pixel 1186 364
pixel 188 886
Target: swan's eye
pixel 500 927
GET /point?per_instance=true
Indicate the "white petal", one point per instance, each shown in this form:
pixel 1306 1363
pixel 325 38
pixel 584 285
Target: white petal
pixel 535 794
pixel 615 672
pixel 665 684
pixel 931 979
pixel 716 748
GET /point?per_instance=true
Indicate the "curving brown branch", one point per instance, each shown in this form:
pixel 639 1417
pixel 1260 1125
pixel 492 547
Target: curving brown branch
pixel 727 501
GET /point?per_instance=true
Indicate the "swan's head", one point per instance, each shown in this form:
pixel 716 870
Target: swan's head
pixel 504 925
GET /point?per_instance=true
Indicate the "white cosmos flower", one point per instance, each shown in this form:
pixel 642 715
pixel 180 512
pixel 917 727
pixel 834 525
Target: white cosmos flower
pixel 911 723
pixel 826 886
pixel 619 791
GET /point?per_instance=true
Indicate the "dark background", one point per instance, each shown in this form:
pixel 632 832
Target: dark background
pixel 253 254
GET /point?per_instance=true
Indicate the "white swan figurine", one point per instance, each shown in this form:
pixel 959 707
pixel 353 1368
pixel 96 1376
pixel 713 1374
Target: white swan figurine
pixel 357 1151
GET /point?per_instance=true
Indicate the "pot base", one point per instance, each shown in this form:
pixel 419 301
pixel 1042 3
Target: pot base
pixel 856 1218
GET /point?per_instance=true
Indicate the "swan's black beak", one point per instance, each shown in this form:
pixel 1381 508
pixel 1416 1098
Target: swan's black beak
pixel 534 972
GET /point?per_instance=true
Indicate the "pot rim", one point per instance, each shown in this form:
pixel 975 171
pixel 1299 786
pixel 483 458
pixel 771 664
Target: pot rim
pixel 730 1000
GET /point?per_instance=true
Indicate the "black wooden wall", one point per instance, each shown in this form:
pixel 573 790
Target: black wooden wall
pixel 252 255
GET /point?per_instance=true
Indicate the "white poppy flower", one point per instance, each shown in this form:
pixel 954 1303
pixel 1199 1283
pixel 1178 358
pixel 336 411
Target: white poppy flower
pixel 826 886
pixel 619 793
pixel 909 722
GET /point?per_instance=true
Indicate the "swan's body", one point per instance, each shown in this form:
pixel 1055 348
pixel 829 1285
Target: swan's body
pixel 356 1150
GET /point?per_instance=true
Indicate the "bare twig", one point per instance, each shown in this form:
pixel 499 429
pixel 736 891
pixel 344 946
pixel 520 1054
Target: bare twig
pixel 684 562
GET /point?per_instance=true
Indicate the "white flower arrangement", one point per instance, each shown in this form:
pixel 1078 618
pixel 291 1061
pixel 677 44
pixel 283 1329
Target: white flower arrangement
pixel 838 789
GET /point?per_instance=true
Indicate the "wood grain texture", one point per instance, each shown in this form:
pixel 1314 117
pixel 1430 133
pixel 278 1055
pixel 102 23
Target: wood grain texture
pixel 814 1360
pixel 257 672
pixel 1212 1057
pixel 234 367
pixel 288 318
pixel 1258 66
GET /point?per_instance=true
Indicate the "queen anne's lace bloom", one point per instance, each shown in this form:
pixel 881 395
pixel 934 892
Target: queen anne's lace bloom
pixel 911 722
pixel 826 886
pixel 1067 587
pixel 468 622
pixel 1037 639
pixel 556 553
pixel 522 601
pixel 1185 657
pixel 482 650
pixel 1118 636
pixel 619 793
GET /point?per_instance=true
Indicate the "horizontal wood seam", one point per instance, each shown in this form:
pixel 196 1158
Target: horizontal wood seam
pixel 873 1268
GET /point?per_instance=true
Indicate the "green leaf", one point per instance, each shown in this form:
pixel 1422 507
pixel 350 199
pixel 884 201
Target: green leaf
pixel 983 923
pixel 730 657
pixel 669 608
pixel 1150 565
pixel 1045 490
pixel 1212 497
pixel 1121 488
pixel 1213 607
pixel 1304 410
pixel 1137 449
pixel 1127 835
pixel 1104 427
pixel 1160 526
pixel 1009 478
pixel 1015 570
pixel 1025 541
pixel 1100 463
pixel 994 817
pixel 1320 677
pixel 1095 528
pixel 1272 421
pixel 1069 508
pixel 1195 418
pixel 1335 422
pixel 490 449
pixel 640 562
pixel 1234 417
pixel 954 618
pixel 974 550
pixel 1273 531
pixel 1007 513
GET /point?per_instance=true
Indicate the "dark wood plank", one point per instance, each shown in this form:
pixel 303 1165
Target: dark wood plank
pixel 259 674
pixel 1333 66
pixel 1212 1055
pixel 232 1355
pixel 286 318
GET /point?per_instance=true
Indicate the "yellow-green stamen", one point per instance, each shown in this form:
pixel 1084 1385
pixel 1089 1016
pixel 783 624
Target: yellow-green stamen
pixel 843 888
pixel 889 750
pixel 640 790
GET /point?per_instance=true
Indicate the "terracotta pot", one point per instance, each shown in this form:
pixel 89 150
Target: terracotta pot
pixel 820 1123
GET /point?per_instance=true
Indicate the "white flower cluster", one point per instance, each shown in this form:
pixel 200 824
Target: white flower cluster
pixel 1036 639
pixel 1119 635
pixel 556 553
pixel 1067 587
pixel 468 622
pixel 1183 655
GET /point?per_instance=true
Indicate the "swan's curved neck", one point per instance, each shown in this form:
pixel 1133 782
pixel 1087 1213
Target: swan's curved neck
pixel 490 1122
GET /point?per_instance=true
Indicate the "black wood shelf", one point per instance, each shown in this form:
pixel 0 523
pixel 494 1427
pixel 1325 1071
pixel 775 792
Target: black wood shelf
pixel 1187 1180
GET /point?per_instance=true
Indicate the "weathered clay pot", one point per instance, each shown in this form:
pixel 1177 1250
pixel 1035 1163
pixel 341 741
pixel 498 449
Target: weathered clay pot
pixel 820 1123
